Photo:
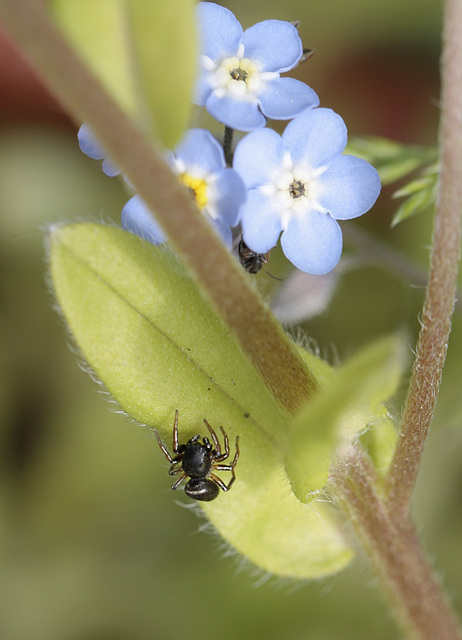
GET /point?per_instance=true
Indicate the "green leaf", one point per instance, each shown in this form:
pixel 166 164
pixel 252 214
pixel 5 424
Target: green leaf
pixel 143 52
pixel 349 403
pixel 148 334
pixel 420 194
pixel 415 186
pixel 393 160
pixel 380 441
pixel 164 41
pixel 414 204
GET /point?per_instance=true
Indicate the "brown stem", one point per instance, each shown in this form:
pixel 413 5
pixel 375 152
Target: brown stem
pixel 439 302
pixel 415 593
pixel 219 275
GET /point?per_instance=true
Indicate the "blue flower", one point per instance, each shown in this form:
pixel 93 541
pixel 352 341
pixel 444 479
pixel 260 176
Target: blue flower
pixel 239 81
pixel 301 184
pixel 219 192
pixel 92 148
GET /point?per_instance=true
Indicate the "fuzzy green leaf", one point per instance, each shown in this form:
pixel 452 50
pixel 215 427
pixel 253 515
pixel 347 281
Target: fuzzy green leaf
pixel 348 404
pixel 148 334
pixel 420 194
pixel 143 52
pixel 414 204
pixel 415 186
pixel 393 160
pixel 164 43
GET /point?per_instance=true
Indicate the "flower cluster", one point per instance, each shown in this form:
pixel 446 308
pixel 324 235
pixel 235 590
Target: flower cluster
pixel 298 184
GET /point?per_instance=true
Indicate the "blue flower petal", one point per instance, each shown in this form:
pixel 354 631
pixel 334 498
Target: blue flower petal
pixel 315 137
pixel 204 87
pixel 219 32
pixel 89 144
pixel 243 116
pixel 313 242
pixel 199 149
pixel 223 231
pixel 261 222
pixel 349 187
pixel 258 157
pixel 137 218
pixel 231 195
pixel 92 148
pixel 110 169
pixel 284 98
pixel 274 44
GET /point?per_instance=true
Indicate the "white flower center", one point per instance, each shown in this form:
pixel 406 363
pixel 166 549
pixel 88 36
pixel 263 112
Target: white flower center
pixel 296 189
pixel 237 77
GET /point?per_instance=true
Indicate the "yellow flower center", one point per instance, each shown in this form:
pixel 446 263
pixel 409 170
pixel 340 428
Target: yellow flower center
pixel 198 187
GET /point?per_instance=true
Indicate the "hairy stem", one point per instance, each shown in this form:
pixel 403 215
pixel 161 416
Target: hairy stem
pixel 440 296
pixel 415 593
pixel 219 275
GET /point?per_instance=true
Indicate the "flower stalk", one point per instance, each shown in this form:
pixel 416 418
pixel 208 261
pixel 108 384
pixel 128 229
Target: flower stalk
pixel 383 522
pixel 441 290
pixel 414 591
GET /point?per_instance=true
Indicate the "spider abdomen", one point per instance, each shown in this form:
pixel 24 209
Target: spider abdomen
pixel 202 489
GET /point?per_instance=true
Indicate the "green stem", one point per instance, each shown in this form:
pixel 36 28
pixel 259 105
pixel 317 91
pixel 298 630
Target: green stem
pixel 218 273
pixel 417 600
pixel 442 284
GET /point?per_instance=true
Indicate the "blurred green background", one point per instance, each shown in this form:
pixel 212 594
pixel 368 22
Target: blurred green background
pixel 93 544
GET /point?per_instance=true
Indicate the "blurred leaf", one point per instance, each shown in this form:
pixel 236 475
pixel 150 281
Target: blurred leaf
pixel 393 160
pixel 342 411
pixel 421 194
pixel 379 442
pixel 146 331
pixel 164 43
pixel 98 30
pixel 142 51
pixel 415 186
pixel 416 203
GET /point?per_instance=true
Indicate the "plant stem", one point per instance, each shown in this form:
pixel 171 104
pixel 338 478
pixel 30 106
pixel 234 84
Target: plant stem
pixel 441 290
pixel 385 525
pixel 217 272
pixel 228 146
pixel 417 599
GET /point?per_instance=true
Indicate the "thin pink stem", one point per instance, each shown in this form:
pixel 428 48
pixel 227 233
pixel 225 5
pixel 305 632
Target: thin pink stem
pixel 441 290
pixel 417 600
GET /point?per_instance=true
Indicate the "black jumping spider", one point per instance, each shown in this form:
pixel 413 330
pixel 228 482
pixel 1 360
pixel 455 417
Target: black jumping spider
pixel 198 461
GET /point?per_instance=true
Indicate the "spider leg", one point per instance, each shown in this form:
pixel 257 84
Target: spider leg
pixel 177 483
pixel 216 442
pixel 163 447
pixel 175 432
pixel 223 456
pixel 226 467
pixel 174 470
pixel 221 484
